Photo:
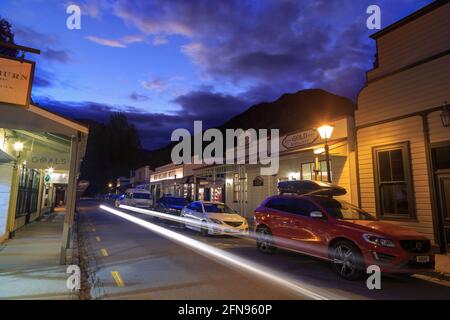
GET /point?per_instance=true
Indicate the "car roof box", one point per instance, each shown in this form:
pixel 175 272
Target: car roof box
pixel 310 187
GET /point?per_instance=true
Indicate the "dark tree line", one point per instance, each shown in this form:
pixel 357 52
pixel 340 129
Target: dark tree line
pixel 113 149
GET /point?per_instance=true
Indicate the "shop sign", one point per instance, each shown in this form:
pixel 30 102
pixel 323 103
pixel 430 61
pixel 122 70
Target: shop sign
pixel 300 139
pixel 258 181
pixel 16 78
pixel 44 161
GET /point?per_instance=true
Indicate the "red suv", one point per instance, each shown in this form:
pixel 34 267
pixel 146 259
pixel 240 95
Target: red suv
pixel 348 237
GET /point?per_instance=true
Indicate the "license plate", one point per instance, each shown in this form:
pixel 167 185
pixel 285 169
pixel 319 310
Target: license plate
pixel 422 259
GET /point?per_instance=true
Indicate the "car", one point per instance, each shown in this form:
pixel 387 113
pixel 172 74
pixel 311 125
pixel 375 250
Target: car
pixel 317 224
pixel 133 197
pixel 214 218
pixel 171 205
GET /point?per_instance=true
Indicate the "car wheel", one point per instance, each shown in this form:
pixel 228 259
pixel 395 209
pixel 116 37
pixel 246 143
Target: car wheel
pixel 204 229
pixel 346 260
pixel 264 241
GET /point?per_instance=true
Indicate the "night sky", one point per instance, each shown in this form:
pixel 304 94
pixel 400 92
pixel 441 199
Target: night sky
pixel 167 63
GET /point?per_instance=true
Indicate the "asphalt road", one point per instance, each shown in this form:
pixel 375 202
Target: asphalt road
pixel 128 261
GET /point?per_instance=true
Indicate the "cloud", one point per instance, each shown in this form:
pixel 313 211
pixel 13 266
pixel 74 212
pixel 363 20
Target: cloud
pixel 44 79
pixel 138 97
pixel 256 44
pixel 211 107
pixel 106 42
pixel 48 44
pixel 160 83
pixel 159 41
pixel 119 43
pixel 154 128
pixel 56 55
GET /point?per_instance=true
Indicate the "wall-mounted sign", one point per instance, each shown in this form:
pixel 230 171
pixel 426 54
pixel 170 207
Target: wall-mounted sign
pixel 300 139
pixel 16 78
pixel 258 181
pixel 57 161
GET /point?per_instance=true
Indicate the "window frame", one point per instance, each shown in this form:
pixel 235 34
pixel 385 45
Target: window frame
pixel 405 148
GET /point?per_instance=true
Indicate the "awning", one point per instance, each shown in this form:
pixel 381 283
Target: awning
pixel 5 158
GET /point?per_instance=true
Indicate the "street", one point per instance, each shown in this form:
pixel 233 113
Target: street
pixel 127 261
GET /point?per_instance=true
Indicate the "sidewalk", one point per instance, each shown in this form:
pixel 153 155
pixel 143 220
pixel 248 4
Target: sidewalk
pixel 29 263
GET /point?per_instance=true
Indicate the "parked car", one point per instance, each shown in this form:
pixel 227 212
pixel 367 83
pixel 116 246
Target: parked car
pixel 316 224
pixel 171 205
pixel 136 198
pixel 214 218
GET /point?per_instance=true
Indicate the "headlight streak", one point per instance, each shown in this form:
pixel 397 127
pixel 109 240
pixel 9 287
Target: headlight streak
pixel 212 252
pixel 310 246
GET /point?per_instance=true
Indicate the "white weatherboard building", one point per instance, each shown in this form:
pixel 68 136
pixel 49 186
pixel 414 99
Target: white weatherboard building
pixel 402 125
pixel 40 156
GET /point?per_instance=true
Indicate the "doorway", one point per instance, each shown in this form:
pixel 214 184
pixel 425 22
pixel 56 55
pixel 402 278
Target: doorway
pixel 441 166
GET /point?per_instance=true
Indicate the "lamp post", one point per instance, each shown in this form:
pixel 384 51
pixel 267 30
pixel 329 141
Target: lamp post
pixel 325 133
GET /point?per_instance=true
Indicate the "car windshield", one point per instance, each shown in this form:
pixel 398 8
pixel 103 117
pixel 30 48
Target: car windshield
pixel 176 201
pixel 141 195
pixel 217 208
pixel 344 210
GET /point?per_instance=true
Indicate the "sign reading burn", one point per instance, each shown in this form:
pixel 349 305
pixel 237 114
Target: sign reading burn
pixel 16 77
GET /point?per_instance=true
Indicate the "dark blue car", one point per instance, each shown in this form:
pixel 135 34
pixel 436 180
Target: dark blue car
pixel 171 205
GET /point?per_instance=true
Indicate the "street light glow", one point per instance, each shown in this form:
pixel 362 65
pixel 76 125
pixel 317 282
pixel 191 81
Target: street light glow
pixel 325 131
pixel 18 146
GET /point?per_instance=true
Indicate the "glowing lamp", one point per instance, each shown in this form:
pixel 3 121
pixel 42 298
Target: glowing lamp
pixel 325 131
pixel 18 146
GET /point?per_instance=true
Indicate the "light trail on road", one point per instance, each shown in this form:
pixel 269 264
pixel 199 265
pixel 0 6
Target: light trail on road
pixel 310 247
pixel 225 257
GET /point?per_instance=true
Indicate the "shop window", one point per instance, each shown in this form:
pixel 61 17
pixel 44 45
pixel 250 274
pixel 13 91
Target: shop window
pixel 393 181
pixel 27 197
pixel 307 171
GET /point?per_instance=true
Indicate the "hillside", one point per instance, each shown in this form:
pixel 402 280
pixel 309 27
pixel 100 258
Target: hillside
pixel 290 112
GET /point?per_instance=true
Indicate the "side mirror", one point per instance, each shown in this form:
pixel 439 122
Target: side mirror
pixel 316 214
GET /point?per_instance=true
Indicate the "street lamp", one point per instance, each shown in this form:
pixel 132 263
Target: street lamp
pixel 445 115
pixel 325 133
pixel 18 148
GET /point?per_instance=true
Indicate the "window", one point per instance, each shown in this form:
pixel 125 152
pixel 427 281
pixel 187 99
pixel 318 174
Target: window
pixel 292 205
pixel 239 183
pixel 308 173
pixel 27 197
pixel 393 181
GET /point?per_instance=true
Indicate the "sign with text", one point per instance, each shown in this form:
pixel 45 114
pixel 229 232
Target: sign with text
pixel 16 77
pixel 300 139
pixel 57 161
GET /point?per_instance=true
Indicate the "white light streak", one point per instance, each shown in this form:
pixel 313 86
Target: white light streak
pixel 212 252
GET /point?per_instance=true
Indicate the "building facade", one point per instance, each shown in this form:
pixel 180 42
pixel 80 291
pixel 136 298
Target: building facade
pixel 302 157
pixel 174 180
pixel 40 157
pixel 403 141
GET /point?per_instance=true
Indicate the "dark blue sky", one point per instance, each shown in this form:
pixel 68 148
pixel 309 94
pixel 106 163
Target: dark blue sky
pixel 169 62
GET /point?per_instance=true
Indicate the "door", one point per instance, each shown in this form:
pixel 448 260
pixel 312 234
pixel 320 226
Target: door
pixel 441 166
pixel 443 180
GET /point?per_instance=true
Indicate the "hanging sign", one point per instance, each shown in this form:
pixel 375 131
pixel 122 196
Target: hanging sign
pixel 16 78
pixel 300 139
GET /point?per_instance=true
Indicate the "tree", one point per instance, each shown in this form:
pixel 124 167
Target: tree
pixel 6 35
pixel 113 150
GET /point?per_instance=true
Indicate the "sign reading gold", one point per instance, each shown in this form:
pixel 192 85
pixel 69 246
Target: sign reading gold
pixel 300 139
pixel 15 81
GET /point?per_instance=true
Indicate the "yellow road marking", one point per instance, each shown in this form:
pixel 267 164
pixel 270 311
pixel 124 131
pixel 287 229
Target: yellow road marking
pixel 98 239
pixel 117 278
pixel 104 252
